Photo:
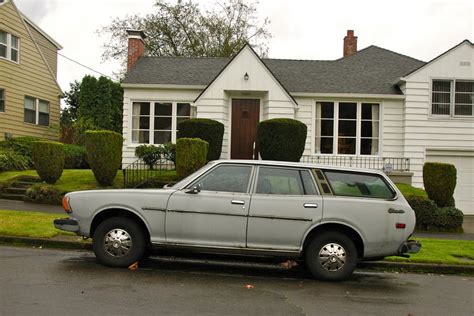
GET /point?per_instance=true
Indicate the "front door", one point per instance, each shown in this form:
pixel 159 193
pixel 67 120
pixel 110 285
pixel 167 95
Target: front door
pixel 245 117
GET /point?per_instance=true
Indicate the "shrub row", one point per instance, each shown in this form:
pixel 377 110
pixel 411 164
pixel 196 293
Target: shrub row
pixel 75 157
pixel 429 217
pixel 10 161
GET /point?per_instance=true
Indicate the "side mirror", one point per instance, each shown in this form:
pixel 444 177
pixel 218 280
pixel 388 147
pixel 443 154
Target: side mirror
pixel 194 190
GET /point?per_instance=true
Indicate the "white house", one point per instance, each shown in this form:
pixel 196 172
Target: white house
pixel 371 108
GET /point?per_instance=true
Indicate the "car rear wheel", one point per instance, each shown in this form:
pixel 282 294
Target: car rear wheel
pixel 331 256
pixel 119 242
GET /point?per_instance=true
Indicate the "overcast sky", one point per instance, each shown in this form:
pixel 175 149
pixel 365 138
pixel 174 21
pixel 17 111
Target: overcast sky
pixel 301 29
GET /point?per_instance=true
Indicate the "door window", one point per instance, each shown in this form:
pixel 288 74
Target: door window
pixel 359 184
pixel 279 181
pixel 226 178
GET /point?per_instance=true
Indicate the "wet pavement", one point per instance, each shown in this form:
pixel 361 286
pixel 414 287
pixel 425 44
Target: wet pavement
pixel 50 282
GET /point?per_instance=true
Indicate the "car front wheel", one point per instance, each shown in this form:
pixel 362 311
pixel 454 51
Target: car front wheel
pixel 119 242
pixel 331 256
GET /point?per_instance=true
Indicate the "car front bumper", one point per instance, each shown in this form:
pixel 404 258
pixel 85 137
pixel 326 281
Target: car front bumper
pixel 410 246
pixel 67 224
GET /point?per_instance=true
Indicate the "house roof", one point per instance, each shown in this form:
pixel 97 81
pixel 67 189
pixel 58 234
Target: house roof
pixel 372 70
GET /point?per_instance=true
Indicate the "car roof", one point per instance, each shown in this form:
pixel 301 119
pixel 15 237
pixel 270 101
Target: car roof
pixel 295 165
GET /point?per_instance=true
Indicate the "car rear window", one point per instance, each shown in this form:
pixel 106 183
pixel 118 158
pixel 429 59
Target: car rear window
pixel 359 184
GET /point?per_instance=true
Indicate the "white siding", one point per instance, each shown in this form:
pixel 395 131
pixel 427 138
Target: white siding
pixel 421 130
pixel 215 102
pixel 130 95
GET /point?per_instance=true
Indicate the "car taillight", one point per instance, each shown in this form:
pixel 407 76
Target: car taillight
pixel 66 206
pixel 400 225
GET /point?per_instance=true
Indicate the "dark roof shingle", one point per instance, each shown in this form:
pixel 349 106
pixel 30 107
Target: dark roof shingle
pixel 373 70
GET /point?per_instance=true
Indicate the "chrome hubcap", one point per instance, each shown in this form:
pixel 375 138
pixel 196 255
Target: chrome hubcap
pixel 117 242
pixel 332 257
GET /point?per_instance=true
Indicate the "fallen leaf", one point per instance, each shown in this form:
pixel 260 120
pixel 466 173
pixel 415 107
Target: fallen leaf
pixel 249 286
pixel 288 264
pixel 133 266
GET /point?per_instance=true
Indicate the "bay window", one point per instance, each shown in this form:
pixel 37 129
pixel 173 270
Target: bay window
pixel 156 122
pixel 347 128
pixel 452 98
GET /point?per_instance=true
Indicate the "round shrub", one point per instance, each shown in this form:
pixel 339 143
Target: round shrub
pixel 149 154
pixel 208 130
pixel 75 157
pixel 439 180
pixel 281 139
pixel 44 193
pixel 191 155
pixel 48 159
pixel 425 211
pixel 448 219
pixel 104 154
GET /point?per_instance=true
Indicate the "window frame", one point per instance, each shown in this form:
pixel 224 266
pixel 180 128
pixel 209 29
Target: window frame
pixel 359 121
pixel 151 130
pixel 298 169
pixel 9 48
pixel 452 99
pixel 250 185
pixel 36 102
pixel 334 194
pixel 4 99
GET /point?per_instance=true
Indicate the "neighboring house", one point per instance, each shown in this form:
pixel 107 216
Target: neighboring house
pixel 372 108
pixel 29 92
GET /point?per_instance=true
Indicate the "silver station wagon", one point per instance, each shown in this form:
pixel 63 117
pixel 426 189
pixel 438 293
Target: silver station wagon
pixel 331 217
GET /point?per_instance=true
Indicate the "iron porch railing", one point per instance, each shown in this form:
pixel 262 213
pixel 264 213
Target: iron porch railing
pixel 139 172
pixel 378 163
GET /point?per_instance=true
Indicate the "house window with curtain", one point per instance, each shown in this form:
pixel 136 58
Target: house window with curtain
pixel 156 122
pixel 347 128
pixel 36 111
pixel 9 46
pixel 452 98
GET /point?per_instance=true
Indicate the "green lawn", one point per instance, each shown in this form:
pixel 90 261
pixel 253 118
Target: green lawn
pixel 442 251
pixel 79 179
pixel 29 224
pixel 408 190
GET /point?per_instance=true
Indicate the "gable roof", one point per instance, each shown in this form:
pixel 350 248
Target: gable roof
pixel 373 70
pixel 466 41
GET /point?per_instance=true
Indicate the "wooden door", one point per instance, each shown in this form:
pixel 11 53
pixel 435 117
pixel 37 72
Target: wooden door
pixel 245 117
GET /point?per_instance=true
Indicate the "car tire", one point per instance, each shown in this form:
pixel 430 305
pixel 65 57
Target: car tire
pixel 119 242
pixel 331 256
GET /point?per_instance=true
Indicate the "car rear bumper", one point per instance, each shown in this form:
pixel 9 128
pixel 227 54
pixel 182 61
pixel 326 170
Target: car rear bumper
pixel 410 246
pixel 67 224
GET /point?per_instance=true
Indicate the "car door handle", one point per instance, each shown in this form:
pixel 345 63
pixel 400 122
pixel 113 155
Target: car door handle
pixel 310 205
pixel 394 211
pixel 237 202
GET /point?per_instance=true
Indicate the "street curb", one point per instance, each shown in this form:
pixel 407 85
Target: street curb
pixel 365 265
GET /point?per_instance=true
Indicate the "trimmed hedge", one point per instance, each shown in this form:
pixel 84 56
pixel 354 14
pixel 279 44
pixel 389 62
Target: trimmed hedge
pixel 75 157
pixel 104 154
pixel 431 218
pixel 44 193
pixel 439 180
pixel 281 139
pixel 10 161
pixel 48 159
pixel 191 155
pixel 208 130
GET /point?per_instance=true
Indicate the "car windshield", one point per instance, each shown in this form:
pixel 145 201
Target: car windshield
pixel 181 183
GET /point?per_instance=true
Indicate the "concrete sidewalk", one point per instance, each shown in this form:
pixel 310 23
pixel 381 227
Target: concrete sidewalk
pixel 26 206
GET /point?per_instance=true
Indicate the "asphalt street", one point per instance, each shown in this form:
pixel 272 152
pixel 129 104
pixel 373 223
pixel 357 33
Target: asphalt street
pixel 54 282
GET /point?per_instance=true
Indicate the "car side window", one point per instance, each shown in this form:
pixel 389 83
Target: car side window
pixel 225 178
pixel 308 183
pixel 279 181
pixel 359 184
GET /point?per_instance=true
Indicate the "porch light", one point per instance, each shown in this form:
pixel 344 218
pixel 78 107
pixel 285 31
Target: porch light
pixel 246 76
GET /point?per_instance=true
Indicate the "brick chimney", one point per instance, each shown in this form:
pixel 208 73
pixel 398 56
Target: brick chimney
pixel 136 47
pixel 350 43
